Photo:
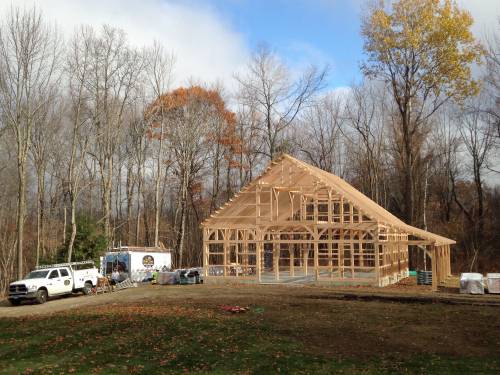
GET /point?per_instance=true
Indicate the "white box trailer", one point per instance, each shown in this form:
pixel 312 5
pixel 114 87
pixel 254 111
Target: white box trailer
pixel 137 264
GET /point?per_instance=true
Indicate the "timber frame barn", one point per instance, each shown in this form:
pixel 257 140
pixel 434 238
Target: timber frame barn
pixel 298 223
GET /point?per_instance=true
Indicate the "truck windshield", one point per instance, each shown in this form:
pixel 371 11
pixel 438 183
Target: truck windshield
pixel 36 275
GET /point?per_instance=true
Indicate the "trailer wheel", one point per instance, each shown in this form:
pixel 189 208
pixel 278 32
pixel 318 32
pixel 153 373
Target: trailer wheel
pixel 87 288
pixel 41 296
pixel 15 301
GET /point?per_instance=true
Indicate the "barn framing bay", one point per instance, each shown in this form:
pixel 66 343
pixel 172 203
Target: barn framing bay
pixel 298 223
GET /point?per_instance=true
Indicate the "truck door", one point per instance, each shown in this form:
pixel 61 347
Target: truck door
pixel 54 283
pixel 67 281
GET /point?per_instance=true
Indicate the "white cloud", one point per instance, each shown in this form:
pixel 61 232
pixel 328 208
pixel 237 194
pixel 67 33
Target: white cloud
pixel 206 48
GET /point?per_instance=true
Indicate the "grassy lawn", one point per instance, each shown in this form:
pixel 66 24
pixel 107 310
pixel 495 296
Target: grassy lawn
pixel 287 333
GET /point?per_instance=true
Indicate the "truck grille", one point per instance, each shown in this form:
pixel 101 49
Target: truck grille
pixel 18 289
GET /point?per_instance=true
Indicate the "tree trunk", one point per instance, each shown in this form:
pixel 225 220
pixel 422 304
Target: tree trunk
pixel 408 193
pixel 182 224
pixel 107 199
pixel 157 188
pixel 129 189
pixel 39 214
pixel 73 227
pixel 21 203
pixel 64 223
pixel 138 213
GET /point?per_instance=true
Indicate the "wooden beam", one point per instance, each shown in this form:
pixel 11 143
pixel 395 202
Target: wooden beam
pixel 316 253
pixel 259 247
pixel 434 261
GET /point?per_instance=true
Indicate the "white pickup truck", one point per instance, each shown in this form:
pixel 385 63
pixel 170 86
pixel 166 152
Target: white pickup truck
pixel 54 280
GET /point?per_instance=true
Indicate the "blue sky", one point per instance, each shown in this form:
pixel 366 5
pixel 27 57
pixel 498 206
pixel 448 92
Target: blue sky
pixel 213 39
pixel 320 31
pixel 302 32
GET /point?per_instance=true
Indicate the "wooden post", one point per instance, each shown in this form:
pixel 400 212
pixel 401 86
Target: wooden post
pixel 449 260
pixel 377 256
pixel 257 205
pixel 315 207
pixel 205 251
pixel 361 250
pixel 305 256
pixel 276 257
pixel 245 252
pixel 341 253
pixel 226 249
pixel 259 248
pixel 351 245
pixel 434 261
pixel 330 206
pixel 316 252
pixel 330 260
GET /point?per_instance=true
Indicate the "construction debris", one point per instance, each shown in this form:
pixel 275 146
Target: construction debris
pixel 234 309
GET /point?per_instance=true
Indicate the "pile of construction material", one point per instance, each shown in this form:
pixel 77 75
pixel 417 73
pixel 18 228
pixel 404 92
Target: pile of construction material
pixel 181 276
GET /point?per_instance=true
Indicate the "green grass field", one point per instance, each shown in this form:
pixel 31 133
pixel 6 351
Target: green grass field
pixel 290 333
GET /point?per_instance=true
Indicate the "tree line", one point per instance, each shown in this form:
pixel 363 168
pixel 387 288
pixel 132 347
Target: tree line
pixel 93 133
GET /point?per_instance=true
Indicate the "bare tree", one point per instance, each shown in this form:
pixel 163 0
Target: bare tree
pixel 366 114
pixel 445 140
pixel 248 125
pixel 78 71
pixel 478 137
pixel 412 47
pixel 492 79
pixel 271 89
pixel 159 67
pixel 190 115
pixel 137 132
pixel 8 190
pixel 47 129
pixel 29 54
pixel 115 68
pixel 320 139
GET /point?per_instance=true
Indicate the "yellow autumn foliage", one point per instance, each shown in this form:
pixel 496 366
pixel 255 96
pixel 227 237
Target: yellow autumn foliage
pixel 423 47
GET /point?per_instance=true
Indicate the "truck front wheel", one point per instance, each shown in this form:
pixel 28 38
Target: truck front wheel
pixel 41 296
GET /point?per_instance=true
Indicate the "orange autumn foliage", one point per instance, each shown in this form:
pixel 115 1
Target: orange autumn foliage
pixel 180 98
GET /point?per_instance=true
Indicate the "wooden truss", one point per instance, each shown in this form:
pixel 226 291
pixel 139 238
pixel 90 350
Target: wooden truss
pixel 297 222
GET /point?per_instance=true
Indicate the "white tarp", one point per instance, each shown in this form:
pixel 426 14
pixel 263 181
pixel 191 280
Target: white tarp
pixel 471 283
pixel 493 282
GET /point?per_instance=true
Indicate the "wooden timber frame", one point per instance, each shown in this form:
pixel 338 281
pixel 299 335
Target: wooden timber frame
pixel 299 223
